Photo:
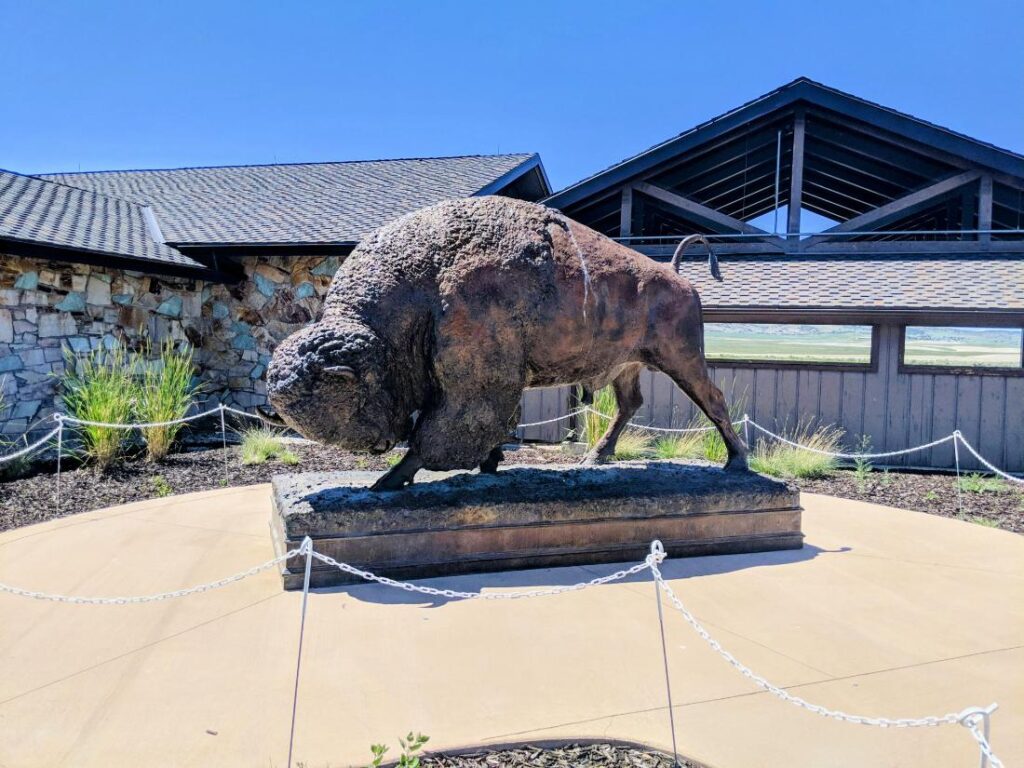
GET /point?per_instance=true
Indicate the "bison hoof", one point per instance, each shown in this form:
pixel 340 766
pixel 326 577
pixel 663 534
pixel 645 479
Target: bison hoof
pixel 387 483
pixel 737 464
pixel 593 459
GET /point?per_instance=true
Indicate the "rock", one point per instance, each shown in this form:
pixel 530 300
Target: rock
pixel 6 326
pixel 10 363
pixel 305 291
pixel 273 274
pixel 98 290
pixel 78 282
pixel 327 267
pixel 79 344
pixel 243 342
pixel 219 311
pixel 56 324
pixel 73 302
pixel 264 285
pixel 25 409
pixel 27 281
pixel 170 307
pixel 122 298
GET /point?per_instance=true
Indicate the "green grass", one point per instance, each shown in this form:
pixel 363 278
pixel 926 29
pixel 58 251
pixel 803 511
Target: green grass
pixel 687 445
pixel 260 444
pixel 392 459
pixel 594 425
pixel 161 487
pixel 165 393
pixel 632 444
pixel 977 483
pixel 988 522
pixel 99 387
pixel 781 460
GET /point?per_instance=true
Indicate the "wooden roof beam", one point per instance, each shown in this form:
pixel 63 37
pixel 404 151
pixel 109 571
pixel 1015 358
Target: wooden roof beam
pixel 897 209
pixel 702 214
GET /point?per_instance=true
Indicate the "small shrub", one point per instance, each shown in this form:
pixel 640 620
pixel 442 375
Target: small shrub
pixel 362 462
pixel 931 496
pixel 290 458
pixel 632 444
pixel 411 744
pixel 887 478
pixel 260 444
pixel 99 387
pixel 976 483
pixel 988 522
pixel 781 460
pixel 165 393
pixel 161 487
pixel 392 459
pixel 862 467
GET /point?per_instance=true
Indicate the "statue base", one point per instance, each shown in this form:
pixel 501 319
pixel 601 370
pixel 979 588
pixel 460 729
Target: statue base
pixel 527 517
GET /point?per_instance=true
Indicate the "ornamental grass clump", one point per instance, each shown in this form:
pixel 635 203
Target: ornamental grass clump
pixel 778 459
pixel 683 445
pixel 165 392
pixel 99 387
pixel 599 417
pixel 260 444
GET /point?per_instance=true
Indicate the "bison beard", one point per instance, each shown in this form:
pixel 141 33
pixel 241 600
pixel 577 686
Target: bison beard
pixel 450 312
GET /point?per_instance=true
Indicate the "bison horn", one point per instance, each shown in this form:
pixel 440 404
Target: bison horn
pixel 270 418
pixel 343 371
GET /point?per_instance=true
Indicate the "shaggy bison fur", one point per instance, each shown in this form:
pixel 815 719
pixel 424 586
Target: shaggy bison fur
pixel 437 322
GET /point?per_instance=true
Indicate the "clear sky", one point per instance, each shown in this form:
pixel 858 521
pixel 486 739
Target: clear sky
pixel 99 84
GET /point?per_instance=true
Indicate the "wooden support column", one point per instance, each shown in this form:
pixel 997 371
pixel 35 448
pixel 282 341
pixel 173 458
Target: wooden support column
pixel 985 207
pixel 626 213
pixel 796 182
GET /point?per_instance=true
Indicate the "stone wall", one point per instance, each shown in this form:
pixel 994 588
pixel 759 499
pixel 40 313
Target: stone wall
pixel 47 307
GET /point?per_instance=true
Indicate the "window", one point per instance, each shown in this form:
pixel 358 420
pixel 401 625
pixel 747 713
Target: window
pixel 795 344
pixel 994 348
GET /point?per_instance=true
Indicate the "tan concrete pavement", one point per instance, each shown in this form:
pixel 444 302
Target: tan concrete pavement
pixel 884 613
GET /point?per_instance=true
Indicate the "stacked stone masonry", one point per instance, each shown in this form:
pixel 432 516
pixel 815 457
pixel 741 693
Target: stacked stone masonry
pixel 48 308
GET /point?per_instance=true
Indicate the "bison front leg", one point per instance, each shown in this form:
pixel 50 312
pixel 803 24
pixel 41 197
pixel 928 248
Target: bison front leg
pixel 489 466
pixel 627 399
pixel 401 474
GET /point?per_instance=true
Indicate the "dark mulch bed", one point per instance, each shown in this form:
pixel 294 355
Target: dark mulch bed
pixel 33 499
pixel 935 493
pixel 572 755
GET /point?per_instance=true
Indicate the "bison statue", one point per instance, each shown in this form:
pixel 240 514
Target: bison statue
pixel 437 322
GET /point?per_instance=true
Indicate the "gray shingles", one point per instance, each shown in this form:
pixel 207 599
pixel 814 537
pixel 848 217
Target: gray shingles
pixel 947 282
pixel 297 203
pixel 37 211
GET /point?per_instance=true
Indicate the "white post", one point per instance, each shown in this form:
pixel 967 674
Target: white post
pixel 657 552
pixel 307 550
pixel 969 719
pixel 956 458
pixel 60 450
pixel 746 429
pixel 224 442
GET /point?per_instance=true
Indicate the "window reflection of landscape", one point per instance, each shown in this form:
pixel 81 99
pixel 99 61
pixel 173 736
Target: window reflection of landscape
pixel 771 342
pixel 963 347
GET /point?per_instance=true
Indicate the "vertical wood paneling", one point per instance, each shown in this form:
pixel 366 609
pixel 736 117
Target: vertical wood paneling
pixel 943 418
pixel 786 395
pixel 830 405
pixel 1013 418
pixel 990 417
pixel 764 405
pixel 968 413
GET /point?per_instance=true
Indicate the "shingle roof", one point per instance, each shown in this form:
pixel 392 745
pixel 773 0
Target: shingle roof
pixel 41 212
pixel 295 203
pixel 948 282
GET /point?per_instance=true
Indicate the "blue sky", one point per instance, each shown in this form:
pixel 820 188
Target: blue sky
pixel 103 85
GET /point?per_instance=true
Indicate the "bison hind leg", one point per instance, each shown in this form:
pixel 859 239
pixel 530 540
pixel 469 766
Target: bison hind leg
pixel 489 466
pixel 400 475
pixel 628 399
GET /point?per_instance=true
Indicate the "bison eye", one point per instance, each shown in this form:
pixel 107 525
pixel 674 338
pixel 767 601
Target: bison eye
pixel 341 371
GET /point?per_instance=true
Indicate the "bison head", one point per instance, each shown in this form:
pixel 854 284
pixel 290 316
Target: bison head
pixel 331 383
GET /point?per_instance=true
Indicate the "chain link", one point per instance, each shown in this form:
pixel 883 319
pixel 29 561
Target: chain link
pixel 29 448
pixel 135 599
pixel 886 454
pixel 456 595
pixel 881 722
pixel 973 723
pixel 959 436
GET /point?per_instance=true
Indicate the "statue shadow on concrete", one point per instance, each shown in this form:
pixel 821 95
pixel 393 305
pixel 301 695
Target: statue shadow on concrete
pixel 672 569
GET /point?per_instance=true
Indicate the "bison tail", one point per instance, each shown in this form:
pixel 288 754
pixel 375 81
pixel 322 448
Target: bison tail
pixel 685 243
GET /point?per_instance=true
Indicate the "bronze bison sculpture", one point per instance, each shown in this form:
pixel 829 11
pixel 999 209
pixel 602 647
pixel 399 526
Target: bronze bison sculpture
pixel 437 322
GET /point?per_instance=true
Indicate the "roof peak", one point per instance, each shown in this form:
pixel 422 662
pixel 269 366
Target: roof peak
pixel 48 176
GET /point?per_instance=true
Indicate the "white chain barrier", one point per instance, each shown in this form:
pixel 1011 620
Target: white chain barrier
pixel 985 462
pixel 136 599
pixel 30 448
pixel 975 719
pixel 852 456
pixel 456 595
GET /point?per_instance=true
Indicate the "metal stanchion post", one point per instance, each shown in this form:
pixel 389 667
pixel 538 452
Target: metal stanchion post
pixel 307 550
pixel 658 552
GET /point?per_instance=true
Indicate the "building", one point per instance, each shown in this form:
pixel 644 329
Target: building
pixel 826 211
pixel 232 259
pixel 919 228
